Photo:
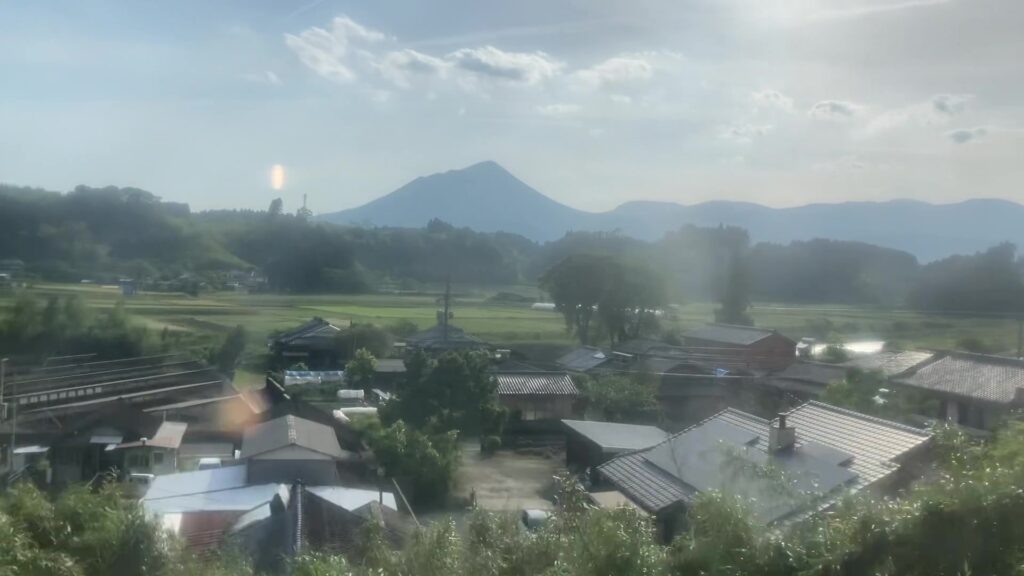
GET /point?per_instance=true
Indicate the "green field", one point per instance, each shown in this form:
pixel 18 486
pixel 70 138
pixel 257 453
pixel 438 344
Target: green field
pixel 515 324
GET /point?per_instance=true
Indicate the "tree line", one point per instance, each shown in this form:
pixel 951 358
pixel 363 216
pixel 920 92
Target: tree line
pixel 103 234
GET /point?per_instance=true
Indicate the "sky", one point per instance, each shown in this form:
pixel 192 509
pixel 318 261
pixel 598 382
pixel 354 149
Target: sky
pixel 592 102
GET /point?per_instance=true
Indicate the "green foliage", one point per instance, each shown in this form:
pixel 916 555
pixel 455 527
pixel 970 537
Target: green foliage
pixel 734 297
pixel 454 392
pixel 987 281
pixel 870 393
pixel 621 398
pixel 369 337
pixel 622 297
pixel 834 354
pixel 490 444
pixel 402 328
pixel 63 327
pixel 424 464
pixel 230 352
pixel 361 369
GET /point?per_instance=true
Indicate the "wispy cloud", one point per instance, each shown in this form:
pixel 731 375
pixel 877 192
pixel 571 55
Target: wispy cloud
pixel 772 99
pixel 557 110
pixel 834 110
pixel 965 135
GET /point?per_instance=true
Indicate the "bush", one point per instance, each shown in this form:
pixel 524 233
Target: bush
pixel 490 444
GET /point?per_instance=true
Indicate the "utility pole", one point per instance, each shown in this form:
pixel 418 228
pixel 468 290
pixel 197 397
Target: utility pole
pixel 447 304
pixel 4 399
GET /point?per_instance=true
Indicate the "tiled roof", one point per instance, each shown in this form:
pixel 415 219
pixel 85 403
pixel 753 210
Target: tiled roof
pixel 976 376
pixel 390 366
pixel 316 328
pixel 582 359
pixel 435 338
pixel 815 372
pixel 875 444
pixel 535 383
pixel 615 437
pixel 890 363
pixel 288 431
pixel 729 334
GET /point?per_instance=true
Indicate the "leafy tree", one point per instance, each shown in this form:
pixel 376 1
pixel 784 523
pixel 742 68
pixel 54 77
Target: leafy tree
pixel 276 207
pixel 454 392
pixel 424 463
pixel 364 336
pixel 619 398
pixel 230 352
pixel 734 298
pixel 361 369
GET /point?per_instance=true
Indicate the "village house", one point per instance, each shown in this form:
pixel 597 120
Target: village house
pixel 537 396
pixel 444 337
pixel 734 347
pixel 313 343
pixel 822 452
pixel 973 390
pixel 589 444
pixel 293 477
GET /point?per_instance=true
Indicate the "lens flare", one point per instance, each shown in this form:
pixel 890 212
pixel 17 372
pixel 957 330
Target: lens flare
pixel 277 177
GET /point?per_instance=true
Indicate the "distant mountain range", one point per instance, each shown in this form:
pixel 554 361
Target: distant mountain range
pixel 487 198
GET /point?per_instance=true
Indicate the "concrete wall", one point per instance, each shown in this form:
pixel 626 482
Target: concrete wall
pixel 539 407
pixel 311 472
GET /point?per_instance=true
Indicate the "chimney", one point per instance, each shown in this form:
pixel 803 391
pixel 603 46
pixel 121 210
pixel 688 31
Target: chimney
pixel 780 436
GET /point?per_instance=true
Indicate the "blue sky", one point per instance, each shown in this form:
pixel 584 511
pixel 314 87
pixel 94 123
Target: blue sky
pixel 593 102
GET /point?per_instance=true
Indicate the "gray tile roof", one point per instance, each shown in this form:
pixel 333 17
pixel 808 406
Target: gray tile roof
pixel 615 437
pixel 729 334
pixel 583 359
pixel 288 431
pixel 390 366
pixel 975 376
pixel 890 363
pixel 535 383
pixel 813 372
pixel 434 338
pixel 875 444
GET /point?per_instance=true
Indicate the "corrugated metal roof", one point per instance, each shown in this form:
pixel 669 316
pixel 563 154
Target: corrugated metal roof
pixel 582 359
pixel 729 334
pixel 168 435
pixel 535 383
pixel 390 366
pixel 352 498
pixel 875 444
pixel 890 363
pixel 987 378
pixel 290 430
pixel 612 436
pixel 243 499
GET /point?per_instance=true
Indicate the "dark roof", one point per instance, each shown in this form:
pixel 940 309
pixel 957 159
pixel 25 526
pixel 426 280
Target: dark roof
pixel 640 346
pixel 867 448
pixel 290 431
pixel 731 334
pixel 890 363
pixel 582 359
pixel 661 365
pixel 434 338
pixel 815 373
pixel 315 330
pixel 535 383
pixel 167 435
pixel 615 437
pixel 390 366
pixel 976 376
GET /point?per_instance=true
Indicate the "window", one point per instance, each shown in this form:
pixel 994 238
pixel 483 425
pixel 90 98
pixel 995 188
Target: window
pixel 158 458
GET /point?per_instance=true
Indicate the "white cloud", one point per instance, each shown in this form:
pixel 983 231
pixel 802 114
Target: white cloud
pixel 772 99
pixel 401 66
pixel 834 110
pixel 325 52
pixel 616 72
pixel 520 67
pixel 558 109
pixel 621 99
pixel 965 135
pixel 745 133
pixel 937 110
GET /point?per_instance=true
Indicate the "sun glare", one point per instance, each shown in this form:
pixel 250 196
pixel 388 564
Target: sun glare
pixel 277 177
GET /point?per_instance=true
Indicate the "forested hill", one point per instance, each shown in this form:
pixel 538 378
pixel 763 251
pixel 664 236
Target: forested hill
pixel 486 197
pixel 102 234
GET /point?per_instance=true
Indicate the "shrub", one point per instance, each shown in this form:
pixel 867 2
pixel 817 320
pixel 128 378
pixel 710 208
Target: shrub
pixel 490 444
